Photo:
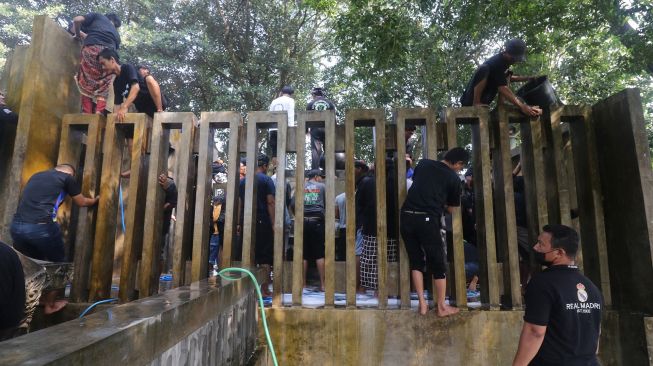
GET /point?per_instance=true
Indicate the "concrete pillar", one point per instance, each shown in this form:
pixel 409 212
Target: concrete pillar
pixel 47 92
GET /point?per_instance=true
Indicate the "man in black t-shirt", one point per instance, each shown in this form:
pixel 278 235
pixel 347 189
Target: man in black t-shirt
pixel 562 322
pixel 34 229
pixel 126 87
pixel 436 187
pixel 492 77
pixel 319 103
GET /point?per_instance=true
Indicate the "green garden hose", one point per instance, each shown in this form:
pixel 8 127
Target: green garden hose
pixel 260 302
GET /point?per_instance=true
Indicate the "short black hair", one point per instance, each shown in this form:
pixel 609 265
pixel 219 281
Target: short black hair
pixel 457 154
pixel 113 17
pixel 108 53
pixel 317 91
pixel 243 161
pixel 262 160
pixel 564 237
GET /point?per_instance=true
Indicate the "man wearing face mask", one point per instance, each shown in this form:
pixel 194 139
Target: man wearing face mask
pixel 562 321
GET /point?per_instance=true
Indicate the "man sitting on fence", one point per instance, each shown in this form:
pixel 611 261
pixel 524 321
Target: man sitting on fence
pixel 492 77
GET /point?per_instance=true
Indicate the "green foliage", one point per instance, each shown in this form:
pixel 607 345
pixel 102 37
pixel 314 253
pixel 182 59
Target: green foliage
pixel 227 54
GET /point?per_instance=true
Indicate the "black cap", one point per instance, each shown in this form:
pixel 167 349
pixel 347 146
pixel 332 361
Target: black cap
pixel 315 172
pixel 263 160
pixel 288 90
pixel 516 48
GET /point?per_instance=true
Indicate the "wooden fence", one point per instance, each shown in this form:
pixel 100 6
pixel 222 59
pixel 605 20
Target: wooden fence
pixel 558 157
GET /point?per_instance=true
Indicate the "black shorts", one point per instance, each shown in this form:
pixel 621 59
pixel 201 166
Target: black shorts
pixel 313 238
pixel 423 241
pixel 264 250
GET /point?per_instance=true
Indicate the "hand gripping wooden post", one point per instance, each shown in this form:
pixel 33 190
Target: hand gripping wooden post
pixel 152 238
pixel 73 127
pixel 115 141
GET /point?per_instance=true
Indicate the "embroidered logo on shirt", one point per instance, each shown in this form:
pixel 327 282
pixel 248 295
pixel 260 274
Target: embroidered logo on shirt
pixel 582 294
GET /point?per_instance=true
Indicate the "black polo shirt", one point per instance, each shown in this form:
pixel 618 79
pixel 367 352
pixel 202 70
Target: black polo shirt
pixel 569 305
pixel 494 69
pixel 41 193
pixel 434 186
pixel 100 31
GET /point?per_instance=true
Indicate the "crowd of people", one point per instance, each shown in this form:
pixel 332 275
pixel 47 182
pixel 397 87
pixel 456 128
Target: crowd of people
pixel 558 323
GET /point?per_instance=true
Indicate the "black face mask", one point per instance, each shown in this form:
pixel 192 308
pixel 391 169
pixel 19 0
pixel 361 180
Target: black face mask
pixel 539 257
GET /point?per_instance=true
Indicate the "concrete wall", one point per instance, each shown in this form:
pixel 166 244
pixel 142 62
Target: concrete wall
pixel 201 324
pixel 47 92
pixel 399 337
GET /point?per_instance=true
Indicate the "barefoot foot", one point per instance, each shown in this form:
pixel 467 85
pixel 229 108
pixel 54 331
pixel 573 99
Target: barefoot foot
pixel 53 308
pixel 446 310
pixel 423 307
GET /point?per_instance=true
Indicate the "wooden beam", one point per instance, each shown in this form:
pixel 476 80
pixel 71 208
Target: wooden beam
pixel 114 142
pixel 459 283
pixel 506 220
pixel 94 126
pixel 208 122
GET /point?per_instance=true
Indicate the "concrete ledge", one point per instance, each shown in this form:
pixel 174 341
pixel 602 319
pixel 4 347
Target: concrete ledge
pixel 402 337
pixel 202 322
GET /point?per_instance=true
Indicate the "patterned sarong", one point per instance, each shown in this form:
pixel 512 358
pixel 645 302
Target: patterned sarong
pixel 91 79
pixel 369 268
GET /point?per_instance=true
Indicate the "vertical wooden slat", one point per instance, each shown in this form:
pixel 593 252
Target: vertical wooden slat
pixel 550 168
pixel 533 178
pixel 114 143
pixel 95 125
pixel 248 233
pixel 350 192
pixel 381 209
pixel 134 216
pixel 597 200
pixel 298 241
pixel 561 172
pixel 153 235
pixel 208 122
pixel 426 117
pixel 184 191
pixel 404 268
pixel 329 119
pixel 485 208
pixel 459 283
pixel 504 186
pixel 231 220
pixel 281 119
pixel 203 212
